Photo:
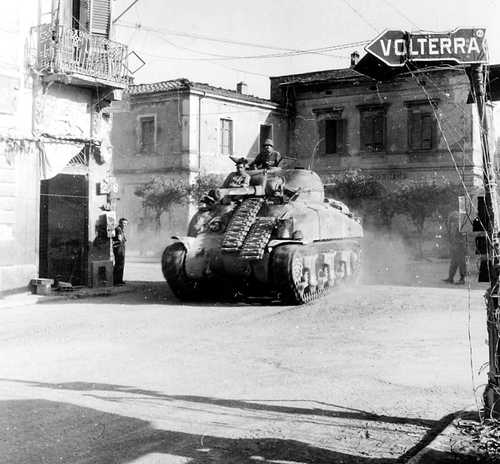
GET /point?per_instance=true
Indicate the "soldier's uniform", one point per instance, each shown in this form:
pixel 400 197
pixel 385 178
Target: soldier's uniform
pixel 119 241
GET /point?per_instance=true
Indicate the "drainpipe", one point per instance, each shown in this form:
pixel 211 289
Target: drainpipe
pixel 199 130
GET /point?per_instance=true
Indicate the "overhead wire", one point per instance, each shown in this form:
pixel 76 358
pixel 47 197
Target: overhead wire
pixel 239 42
pixel 397 10
pixel 322 51
pixel 361 16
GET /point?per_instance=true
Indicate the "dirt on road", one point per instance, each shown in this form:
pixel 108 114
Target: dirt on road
pixel 369 374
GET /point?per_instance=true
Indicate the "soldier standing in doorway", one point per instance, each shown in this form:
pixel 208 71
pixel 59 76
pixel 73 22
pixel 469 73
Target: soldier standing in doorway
pixel 119 240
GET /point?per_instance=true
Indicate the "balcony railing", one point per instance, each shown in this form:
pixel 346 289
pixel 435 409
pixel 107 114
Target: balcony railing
pixel 70 51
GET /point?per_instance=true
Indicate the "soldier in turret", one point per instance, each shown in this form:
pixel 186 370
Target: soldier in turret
pixel 268 158
pixel 239 178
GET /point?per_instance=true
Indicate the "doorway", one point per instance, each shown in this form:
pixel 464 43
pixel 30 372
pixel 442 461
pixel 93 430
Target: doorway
pixel 64 228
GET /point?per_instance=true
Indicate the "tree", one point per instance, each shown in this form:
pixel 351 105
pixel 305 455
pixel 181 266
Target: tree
pixel 365 194
pixel 203 184
pixel 353 188
pixel 421 200
pixel 160 194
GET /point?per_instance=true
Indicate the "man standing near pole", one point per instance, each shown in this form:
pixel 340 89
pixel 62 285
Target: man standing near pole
pixel 458 250
pixel 119 240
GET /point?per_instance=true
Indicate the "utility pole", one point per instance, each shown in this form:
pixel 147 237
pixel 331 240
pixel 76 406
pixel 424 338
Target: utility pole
pixel 490 223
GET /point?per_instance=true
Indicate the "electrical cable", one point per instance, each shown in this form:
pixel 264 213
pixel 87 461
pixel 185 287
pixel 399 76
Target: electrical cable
pixel 397 10
pixel 242 43
pixel 361 16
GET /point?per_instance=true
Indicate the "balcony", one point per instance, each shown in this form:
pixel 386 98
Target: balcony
pixel 78 57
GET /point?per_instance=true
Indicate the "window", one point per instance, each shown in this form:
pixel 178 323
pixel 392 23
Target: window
pixel 372 128
pixel 147 134
pixel 421 127
pixel 93 17
pixel 226 137
pixel 332 130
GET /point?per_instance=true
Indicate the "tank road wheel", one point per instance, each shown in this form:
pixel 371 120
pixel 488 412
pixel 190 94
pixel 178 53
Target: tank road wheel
pixel 172 266
pixel 291 277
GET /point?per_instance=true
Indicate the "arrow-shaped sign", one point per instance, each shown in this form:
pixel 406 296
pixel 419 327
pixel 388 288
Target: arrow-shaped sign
pixel 463 46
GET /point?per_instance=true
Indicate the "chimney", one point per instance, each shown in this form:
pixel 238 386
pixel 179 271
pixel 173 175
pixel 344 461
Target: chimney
pixel 242 88
pixel 354 58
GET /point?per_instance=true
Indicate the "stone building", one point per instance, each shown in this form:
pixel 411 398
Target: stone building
pixel 62 71
pixel 415 125
pixel 179 129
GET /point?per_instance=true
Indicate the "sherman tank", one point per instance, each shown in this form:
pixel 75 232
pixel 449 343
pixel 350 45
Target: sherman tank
pixel 278 238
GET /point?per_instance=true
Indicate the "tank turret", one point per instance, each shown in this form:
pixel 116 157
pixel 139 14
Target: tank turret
pixel 279 237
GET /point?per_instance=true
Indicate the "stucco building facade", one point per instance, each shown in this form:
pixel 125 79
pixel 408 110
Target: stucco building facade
pixel 180 129
pixel 418 125
pixel 55 152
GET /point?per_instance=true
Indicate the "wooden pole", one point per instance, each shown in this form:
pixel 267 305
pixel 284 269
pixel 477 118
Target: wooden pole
pixel 492 391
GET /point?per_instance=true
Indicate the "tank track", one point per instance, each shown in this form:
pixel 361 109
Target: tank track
pixel 240 224
pixel 284 272
pixel 255 243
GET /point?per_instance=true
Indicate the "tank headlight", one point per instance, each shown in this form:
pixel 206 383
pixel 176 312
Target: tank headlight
pixel 298 235
pixel 284 228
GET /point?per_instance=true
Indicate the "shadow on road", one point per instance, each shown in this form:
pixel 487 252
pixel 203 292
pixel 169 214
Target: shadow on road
pixel 144 292
pixel 47 431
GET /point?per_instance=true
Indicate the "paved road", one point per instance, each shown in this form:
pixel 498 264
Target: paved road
pixel 363 376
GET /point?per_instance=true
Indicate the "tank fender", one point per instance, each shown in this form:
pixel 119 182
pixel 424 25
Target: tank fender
pixel 188 242
pixel 274 243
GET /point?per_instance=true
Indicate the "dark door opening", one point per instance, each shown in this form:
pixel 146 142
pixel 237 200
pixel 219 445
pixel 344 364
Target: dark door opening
pixel 64 228
pixel 266 132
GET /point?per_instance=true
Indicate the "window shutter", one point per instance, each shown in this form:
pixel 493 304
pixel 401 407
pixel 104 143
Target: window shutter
pixel 414 130
pixel 426 132
pixel 366 131
pixel 331 131
pixel 322 133
pixel 341 133
pixel 378 131
pixel 100 15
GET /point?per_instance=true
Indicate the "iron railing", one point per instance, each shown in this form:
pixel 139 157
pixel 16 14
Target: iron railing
pixel 70 51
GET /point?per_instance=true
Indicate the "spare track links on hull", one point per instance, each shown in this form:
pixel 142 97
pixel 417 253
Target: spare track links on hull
pixel 258 237
pixel 240 224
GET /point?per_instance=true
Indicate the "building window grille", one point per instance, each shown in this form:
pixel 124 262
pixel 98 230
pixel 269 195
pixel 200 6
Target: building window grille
pixel 226 137
pixel 373 128
pixel 147 134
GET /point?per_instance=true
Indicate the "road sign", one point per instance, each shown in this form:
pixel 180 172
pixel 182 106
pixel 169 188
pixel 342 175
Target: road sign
pixel 463 46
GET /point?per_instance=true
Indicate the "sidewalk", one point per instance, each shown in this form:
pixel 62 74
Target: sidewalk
pixel 136 273
pixel 28 298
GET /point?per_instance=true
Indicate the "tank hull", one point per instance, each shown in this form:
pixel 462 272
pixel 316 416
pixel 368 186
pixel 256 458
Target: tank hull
pixel 279 238
pixel 289 271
